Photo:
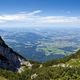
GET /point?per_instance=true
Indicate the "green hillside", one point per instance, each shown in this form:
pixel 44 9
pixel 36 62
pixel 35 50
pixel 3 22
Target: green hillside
pixel 67 68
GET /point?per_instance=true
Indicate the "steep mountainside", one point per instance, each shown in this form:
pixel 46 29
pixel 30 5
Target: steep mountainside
pixel 67 68
pixel 9 59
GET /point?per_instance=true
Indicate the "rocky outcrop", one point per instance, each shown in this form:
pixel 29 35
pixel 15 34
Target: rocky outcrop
pixel 9 59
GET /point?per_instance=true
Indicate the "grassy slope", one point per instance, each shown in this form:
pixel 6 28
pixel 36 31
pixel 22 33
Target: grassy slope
pixel 2 78
pixel 48 72
pixel 71 59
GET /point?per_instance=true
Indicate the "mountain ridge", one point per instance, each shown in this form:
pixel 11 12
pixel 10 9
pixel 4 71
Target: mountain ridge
pixel 67 68
pixel 9 59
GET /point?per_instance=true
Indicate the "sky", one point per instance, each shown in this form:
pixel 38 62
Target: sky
pixel 31 13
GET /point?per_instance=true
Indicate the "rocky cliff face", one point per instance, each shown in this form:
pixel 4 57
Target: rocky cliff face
pixel 9 59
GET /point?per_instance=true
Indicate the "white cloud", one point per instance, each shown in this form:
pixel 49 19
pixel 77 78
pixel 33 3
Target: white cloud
pixel 34 12
pixel 34 19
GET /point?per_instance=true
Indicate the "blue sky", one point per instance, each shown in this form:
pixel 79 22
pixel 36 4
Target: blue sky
pixel 51 7
pixel 17 13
